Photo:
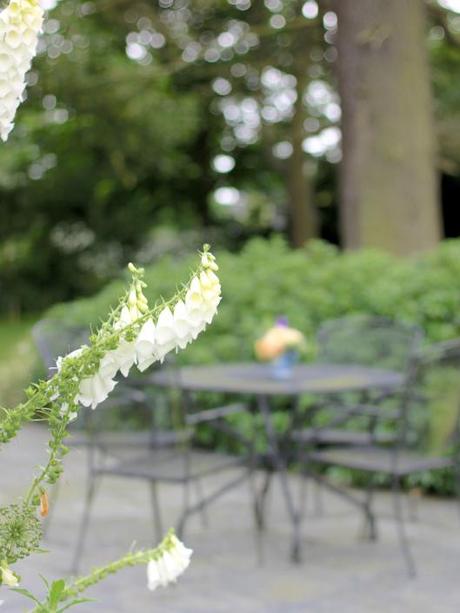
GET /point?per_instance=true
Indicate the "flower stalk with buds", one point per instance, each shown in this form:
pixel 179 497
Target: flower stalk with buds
pixel 134 335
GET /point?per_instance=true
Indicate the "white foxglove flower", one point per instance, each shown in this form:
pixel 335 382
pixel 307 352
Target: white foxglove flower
pixel 195 306
pixel 145 346
pixel 172 563
pixel 194 297
pixel 180 553
pixel 153 575
pixel 209 261
pixel 119 359
pixel 20 24
pixel 165 334
pixel 185 325
pixel 94 390
pixel 128 315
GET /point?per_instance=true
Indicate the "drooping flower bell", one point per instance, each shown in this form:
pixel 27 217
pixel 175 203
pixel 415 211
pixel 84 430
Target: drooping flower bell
pixel 20 24
pixel 171 563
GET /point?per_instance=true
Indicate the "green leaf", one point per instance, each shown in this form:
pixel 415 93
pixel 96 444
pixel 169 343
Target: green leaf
pixel 56 592
pixel 26 593
pixel 75 602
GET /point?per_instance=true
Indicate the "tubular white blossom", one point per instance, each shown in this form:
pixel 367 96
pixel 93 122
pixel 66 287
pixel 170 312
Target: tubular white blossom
pixel 20 24
pixel 171 563
pixel 94 390
pixel 121 359
pixel 165 334
pixel 145 346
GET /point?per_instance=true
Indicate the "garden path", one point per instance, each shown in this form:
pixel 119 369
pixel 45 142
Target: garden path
pixel 340 573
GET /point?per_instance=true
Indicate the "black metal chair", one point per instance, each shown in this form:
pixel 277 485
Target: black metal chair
pixel 165 453
pixel 402 457
pixel 363 340
pixel 171 457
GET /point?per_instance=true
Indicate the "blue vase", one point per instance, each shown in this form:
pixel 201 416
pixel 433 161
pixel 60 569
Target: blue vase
pixel 283 367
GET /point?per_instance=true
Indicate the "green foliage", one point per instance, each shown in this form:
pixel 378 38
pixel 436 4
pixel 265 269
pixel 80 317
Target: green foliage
pixel 442 388
pixel 18 360
pixel 100 156
pixel 309 286
pixel 267 279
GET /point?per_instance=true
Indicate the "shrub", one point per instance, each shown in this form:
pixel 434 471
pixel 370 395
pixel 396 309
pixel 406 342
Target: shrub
pixel 267 279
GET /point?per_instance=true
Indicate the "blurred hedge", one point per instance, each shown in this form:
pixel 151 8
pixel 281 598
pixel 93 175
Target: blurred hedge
pixel 267 279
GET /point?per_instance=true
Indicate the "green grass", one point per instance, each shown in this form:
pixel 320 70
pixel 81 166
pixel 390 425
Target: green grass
pixel 19 364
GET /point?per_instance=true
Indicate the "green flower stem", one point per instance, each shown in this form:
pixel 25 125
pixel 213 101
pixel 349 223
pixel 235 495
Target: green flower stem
pixel 53 459
pixel 131 559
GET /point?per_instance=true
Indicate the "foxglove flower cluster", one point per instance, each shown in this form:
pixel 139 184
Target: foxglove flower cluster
pixel 144 339
pixel 133 335
pixel 20 24
pixel 169 564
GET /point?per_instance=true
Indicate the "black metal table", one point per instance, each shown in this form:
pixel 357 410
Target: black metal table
pixel 257 380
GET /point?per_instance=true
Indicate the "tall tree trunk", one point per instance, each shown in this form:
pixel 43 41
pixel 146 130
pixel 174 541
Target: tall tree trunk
pixel 389 187
pixel 302 212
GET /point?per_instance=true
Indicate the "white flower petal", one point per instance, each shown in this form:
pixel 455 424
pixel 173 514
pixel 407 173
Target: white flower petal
pixel 153 576
pixel 94 390
pixel 122 357
pixel 145 346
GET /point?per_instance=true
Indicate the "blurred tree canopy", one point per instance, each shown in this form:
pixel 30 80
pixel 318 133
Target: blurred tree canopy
pixel 186 114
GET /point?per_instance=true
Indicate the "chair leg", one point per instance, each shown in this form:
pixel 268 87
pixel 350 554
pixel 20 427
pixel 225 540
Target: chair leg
pixel 156 511
pixel 399 516
pixel 200 496
pixel 370 528
pixel 413 505
pixel 84 525
pixel 185 510
pixel 457 483
pixel 318 504
pixel 303 495
pixel 258 532
pixel 261 501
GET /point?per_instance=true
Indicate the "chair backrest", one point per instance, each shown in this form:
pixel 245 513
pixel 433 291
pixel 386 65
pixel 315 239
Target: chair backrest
pixel 54 339
pixel 368 341
pixel 439 379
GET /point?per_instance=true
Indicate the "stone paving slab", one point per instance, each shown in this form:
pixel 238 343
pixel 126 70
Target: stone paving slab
pixel 340 573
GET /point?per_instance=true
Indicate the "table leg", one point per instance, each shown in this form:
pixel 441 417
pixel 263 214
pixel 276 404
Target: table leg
pixel 280 466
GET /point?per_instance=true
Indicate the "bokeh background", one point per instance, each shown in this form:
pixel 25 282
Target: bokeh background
pixel 314 144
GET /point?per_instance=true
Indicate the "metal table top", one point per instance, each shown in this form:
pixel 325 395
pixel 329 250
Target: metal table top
pixel 255 378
